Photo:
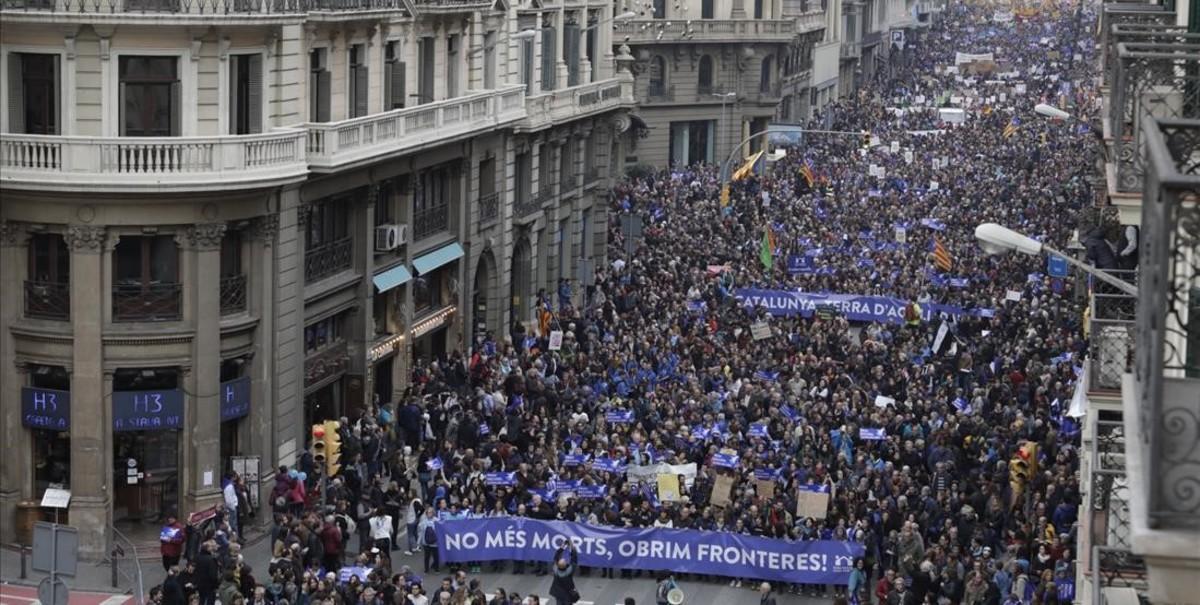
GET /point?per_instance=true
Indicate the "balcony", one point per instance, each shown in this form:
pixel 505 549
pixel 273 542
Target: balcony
pixel 1128 13
pixel 328 259
pixel 337 145
pixel 1140 33
pixel 850 49
pixel 183 10
pixel 872 38
pixel 430 221
pixel 1106 539
pixel 557 106
pixel 147 302
pixel 660 93
pixel 1111 335
pixel 446 7
pixel 659 31
pixel 810 21
pixel 48 300
pixel 527 206
pixel 326 364
pixel 489 207
pixel 233 294
pixel 152 164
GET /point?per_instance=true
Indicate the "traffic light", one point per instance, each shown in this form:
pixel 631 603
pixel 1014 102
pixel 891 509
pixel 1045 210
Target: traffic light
pixel 1023 465
pixel 317 448
pixel 866 140
pixel 333 447
pixel 724 196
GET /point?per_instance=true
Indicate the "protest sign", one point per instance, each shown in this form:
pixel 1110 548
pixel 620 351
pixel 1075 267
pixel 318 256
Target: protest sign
pixel 556 338
pixel 895 146
pixel 721 490
pixel 1012 295
pixel 765 488
pixel 679 550
pixel 647 472
pixel 668 488
pixel 811 503
pixel 760 330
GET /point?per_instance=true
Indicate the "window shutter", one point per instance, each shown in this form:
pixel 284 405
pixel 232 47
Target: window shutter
pixel 323 93
pixel 233 94
pixel 396 86
pixel 527 65
pixel 255 96
pixel 360 91
pixel 16 94
pixel 549 52
pixel 176 107
pixel 571 40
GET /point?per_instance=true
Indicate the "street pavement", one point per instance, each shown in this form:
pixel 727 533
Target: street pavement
pixel 92 584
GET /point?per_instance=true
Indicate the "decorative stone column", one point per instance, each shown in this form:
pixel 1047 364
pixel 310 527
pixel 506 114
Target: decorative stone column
pixel 260 425
pixel 202 432
pixel 16 481
pixel 91 411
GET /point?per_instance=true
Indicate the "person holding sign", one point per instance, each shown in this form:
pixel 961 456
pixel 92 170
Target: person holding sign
pixel 171 537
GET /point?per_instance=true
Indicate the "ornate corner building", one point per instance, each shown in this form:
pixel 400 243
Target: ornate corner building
pixel 222 221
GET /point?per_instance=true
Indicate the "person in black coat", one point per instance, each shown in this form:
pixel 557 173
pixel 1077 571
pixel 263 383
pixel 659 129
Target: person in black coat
pixel 208 576
pixel 172 588
pixel 563 586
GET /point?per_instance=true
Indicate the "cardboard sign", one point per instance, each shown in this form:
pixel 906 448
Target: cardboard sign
pixel 812 504
pixel 895 146
pixel 668 488
pixel 760 330
pixel 722 487
pixel 908 157
pixel 765 488
pixel 1012 295
pixel 556 337
pixel 901 235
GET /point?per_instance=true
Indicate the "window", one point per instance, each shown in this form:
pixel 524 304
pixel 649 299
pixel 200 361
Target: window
pixel 868 20
pixel 357 73
pixel 431 201
pixel 146 260
pixel 706 9
pixel 233 278
pixel 318 85
pixel 758 9
pixel 524 175
pixel 658 77
pixel 489 60
pixel 381 313
pixel 149 96
pixel 51 449
pixel 527 65
pixel 705 79
pixel 384 213
pixel 590 46
pixel 692 142
pixel 545 169
pixel 427 292
pixel 245 94
pixel 33 93
pixel 452 60
pixel 549 52
pixel 487 176
pixel 571 40
pixel 231 253
pixel 49 260
pixel 427 72
pixel 393 77
pixel 326 224
pixel 768 66
pixel 566 166
pixel 323 333
pixel 660 9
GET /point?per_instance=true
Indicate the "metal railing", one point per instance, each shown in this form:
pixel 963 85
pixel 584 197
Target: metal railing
pixel 328 259
pixel 202 7
pixel 326 363
pixel 1127 13
pixel 1167 372
pixel 1141 33
pixel 147 302
pixel 429 221
pixel 1154 80
pixel 126 566
pixel 48 300
pixel 636 31
pixel 1107 517
pixel 659 93
pixel 441 6
pixel 1112 314
pixel 489 207
pixel 526 206
pixel 233 294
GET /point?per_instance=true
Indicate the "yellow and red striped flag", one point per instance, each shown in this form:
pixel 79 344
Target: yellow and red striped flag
pixel 941 257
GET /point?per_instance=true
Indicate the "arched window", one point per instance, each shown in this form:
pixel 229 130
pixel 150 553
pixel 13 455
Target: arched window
pixel 768 66
pixel 704 82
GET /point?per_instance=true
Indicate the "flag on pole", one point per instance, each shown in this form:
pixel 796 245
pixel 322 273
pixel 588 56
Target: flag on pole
pixel 941 257
pixel 806 171
pixel 766 252
pixel 748 168
pixel 1011 128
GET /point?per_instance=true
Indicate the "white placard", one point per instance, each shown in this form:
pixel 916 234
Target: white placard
pixel 208 479
pixel 895 146
pixel 933 185
pixel 556 337
pixel 760 330
pixel 1020 89
pixel 875 142
pixel 908 156
pixel 56 497
pixel 1012 295
pixel 901 235
pixel 882 401
pixel 919 99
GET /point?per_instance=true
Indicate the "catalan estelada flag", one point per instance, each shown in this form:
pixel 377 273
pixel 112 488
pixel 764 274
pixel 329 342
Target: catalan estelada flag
pixel 766 252
pixel 806 171
pixel 748 168
pixel 1011 129
pixel 941 257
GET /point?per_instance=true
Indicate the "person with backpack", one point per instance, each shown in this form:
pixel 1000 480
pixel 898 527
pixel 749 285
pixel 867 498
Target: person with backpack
pixel 428 534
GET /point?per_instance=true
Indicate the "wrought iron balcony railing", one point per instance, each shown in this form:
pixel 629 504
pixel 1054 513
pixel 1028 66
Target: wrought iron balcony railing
pixel 1128 13
pixel 523 207
pixel 48 300
pixel 147 302
pixel 489 207
pixel 429 221
pixel 1111 334
pixel 1152 81
pixel 202 7
pixel 1168 322
pixel 233 294
pixel 1141 33
pixel 659 93
pixel 1107 518
pixel 328 259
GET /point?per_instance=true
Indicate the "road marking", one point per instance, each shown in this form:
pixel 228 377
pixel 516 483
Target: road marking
pixel 116 599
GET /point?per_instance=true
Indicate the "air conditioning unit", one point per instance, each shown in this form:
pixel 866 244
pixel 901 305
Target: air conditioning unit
pixel 389 237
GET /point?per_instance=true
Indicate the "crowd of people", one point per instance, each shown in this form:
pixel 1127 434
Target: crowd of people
pixel 660 334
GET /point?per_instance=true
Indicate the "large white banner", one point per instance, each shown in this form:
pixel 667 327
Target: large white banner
pixel 649 473
pixel 960 58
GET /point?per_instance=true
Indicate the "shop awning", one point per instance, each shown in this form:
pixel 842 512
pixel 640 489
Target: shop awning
pixel 391 278
pixel 428 262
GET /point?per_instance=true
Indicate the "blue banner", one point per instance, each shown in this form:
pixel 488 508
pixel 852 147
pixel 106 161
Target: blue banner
pixel 500 479
pixel 801 263
pixel 872 434
pixel 679 550
pixel 786 303
pixel 591 492
pixel 759 429
pixel 726 460
pixel 235 398
pixel 608 465
pixel 1056 266
pixel 46 409
pixel 619 416
pixel 434 464
pixel 574 459
pixel 345 573
pixel 147 410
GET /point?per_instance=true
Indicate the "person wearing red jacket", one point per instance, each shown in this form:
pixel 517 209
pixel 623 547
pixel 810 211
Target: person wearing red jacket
pixel 331 542
pixel 884 586
pixel 171 537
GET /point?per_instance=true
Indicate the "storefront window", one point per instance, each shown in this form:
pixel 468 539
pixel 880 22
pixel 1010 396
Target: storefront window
pixel 427 292
pixel 51 448
pixel 146 462
pixel 323 333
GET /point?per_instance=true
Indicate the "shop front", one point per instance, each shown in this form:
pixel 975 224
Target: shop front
pixel 435 300
pixel 148 417
pixel 46 414
pixel 234 395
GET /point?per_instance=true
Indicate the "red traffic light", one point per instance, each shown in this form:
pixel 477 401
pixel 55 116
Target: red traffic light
pixel 318 432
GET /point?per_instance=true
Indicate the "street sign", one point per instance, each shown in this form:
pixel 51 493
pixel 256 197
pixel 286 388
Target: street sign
pixel 1056 266
pixel 56 498
pixel 55 548
pixel 52 591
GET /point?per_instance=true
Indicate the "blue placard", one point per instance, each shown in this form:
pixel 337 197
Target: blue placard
pixel 872 434
pixel 1056 266
pixel 235 398
pixel 46 409
pixel 726 460
pixel 147 410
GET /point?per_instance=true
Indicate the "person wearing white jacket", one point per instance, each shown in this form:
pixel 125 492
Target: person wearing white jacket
pixel 412 516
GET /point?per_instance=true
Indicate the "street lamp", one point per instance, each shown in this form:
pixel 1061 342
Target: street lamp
pixel 525 34
pixel 725 96
pixel 621 17
pixel 997 239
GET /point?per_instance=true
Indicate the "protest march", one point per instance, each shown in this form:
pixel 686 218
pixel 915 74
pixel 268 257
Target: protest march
pixel 821 383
